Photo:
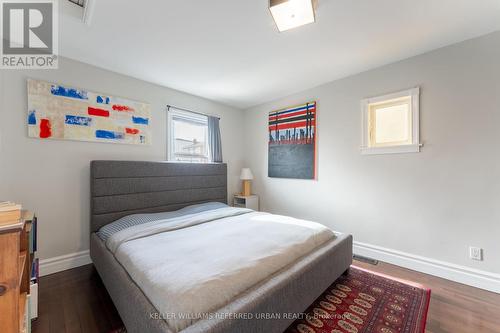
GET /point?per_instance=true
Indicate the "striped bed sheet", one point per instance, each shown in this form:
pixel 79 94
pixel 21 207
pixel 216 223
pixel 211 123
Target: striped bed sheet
pixel 136 219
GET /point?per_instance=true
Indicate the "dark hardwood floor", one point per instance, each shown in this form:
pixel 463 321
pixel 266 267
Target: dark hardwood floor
pixel 76 301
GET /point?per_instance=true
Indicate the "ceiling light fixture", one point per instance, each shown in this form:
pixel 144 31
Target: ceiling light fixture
pixel 289 14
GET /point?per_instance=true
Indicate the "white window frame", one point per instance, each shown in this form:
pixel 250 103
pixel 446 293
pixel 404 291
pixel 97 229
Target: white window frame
pixel 188 116
pixel 414 147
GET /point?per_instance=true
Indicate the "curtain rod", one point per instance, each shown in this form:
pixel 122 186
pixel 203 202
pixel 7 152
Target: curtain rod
pixel 182 109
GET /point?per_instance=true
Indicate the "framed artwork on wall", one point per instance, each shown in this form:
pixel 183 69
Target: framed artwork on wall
pixel 62 112
pixel 292 142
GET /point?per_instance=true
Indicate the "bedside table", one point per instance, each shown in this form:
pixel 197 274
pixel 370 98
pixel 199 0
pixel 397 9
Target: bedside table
pixel 251 201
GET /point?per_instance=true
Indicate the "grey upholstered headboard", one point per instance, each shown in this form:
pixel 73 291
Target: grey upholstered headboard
pixel 120 188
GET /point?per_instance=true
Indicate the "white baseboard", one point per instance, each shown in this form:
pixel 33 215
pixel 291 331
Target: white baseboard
pixel 62 263
pixel 466 275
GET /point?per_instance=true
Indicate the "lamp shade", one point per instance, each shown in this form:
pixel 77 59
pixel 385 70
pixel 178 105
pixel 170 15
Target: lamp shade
pixel 246 174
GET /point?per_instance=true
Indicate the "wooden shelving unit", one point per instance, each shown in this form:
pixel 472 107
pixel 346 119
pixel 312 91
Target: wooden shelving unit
pixel 15 273
pixel 22 312
pixel 22 264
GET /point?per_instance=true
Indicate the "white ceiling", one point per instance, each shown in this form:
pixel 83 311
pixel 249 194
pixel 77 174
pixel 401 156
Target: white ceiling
pixel 230 50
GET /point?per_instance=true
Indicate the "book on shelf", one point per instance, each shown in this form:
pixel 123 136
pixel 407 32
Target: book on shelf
pixel 32 235
pixel 10 213
pixel 35 267
pixel 6 206
pixel 35 274
pixel 33 300
pixel 35 233
pixel 27 215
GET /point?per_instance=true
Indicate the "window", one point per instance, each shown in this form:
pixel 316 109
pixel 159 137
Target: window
pixel 187 137
pixel 391 123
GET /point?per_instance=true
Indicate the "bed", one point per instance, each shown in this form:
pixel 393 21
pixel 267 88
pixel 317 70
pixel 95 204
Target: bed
pixel 120 189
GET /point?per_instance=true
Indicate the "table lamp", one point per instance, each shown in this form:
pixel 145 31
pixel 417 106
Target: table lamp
pixel 246 176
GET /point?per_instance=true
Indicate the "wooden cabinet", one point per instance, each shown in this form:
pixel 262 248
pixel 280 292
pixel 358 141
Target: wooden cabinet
pixel 15 273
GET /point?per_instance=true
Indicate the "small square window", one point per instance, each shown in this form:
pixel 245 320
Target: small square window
pixel 187 137
pixel 390 123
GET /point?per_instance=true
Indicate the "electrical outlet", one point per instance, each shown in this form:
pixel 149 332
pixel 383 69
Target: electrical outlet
pixel 475 253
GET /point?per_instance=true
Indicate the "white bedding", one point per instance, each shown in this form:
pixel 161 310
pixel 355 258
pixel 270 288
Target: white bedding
pixel 196 264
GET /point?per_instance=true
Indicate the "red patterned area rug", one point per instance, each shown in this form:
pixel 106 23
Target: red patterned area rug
pixel 362 301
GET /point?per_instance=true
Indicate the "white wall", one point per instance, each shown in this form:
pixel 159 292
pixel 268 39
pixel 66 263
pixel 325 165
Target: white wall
pixel 432 204
pixel 52 177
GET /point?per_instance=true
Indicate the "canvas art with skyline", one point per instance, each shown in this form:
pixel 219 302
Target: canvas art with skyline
pixel 292 142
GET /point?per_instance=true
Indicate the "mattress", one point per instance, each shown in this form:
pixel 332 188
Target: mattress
pixel 291 290
pixel 189 265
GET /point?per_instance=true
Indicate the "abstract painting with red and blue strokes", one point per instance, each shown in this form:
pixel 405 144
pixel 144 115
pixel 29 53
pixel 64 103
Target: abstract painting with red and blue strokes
pixel 61 112
pixel 292 142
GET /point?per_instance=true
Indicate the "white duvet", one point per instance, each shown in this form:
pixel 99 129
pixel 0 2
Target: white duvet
pixel 191 265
